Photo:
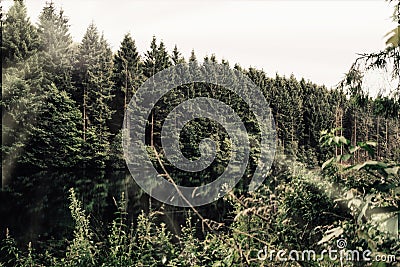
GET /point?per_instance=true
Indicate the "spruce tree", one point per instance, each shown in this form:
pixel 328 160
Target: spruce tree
pixel 55 47
pixel 149 67
pixel 176 56
pixel 156 59
pixel 55 140
pixel 20 105
pixel 20 38
pixel 127 77
pixel 41 120
pixel 93 74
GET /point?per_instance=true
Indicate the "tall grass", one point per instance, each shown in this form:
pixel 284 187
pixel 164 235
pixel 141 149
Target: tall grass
pixel 292 210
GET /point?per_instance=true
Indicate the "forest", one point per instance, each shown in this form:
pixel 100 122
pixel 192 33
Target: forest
pixel 335 176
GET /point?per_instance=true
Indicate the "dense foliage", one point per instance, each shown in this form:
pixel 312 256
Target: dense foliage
pixel 43 62
pixel 63 106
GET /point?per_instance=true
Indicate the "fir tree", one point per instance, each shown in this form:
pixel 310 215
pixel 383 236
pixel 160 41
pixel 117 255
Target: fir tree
pixel 156 59
pixel 55 47
pixel 93 72
pixel 176 56
pixel 56 139
pixel 20 38
pixel 19 109
pixel 127 77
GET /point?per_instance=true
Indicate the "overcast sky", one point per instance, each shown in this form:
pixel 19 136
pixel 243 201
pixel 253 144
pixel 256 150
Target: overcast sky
pixel 317 40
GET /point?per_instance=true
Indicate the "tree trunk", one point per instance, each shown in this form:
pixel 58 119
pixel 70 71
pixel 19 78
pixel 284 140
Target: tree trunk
pixel 126 90
pixel 377 137
pixel 84 113
pixel 367 135
pixel 386 138
pixel 341 130
pixel 355 137
pixel 152 130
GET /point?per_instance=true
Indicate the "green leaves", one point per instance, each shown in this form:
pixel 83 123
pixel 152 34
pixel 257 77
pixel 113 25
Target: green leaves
pixel 368 146
pixel 81 251
pixel 330 138
pixel 371 164
pixel 330 234
pixel 393 40
pixel 384 169
pixel 365 187
pixel 328 163
pixel 392 170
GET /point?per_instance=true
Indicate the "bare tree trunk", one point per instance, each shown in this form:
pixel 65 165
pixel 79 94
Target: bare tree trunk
pixel 152 130
pixel 367 136
pixel 336 126
pixel 292 130
pixel 84 113
pixel 386 138
pixel 397 134
pixel 341 130
pixel 355 137
pixel 377 136
pixel 277 128
pixel 126 89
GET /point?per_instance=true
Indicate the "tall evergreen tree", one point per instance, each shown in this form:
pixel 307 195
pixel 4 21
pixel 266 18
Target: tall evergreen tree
pixel 40 118
pixel 149 67
pixel 55 129
pixel 93 74
pixel 20 106
pixel 41 123
pixel 20 38
pixel 156 59
pixel 176 56
pixel 100 96
pixel 56 139
pixel 55 47
pixel 127 77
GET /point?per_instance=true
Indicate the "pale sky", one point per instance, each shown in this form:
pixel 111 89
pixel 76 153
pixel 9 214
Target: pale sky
pixel 317 40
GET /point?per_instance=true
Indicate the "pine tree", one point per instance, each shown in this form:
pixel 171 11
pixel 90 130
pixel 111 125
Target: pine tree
pixel 40 123
pixel 194 71
pixel 156 59
pixel 93 74
pixel 149 67
pixel 55 47
pixel 162 60
pixel 55 140
pixel 100 97
pixel 20 106
pixel 127 77
pixel 20 38
pixel 41 120
pixel 176 56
